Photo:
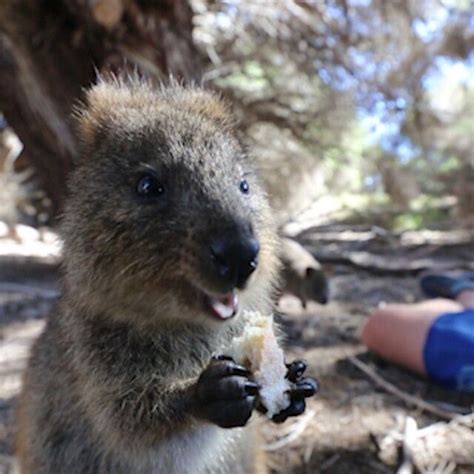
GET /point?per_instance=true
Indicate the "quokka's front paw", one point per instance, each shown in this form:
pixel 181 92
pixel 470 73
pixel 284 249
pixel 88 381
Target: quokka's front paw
pixel 301 388
pixel 225 394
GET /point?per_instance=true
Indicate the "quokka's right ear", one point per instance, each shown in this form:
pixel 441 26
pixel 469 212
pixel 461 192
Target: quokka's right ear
pixel 91 115
pixel 107 103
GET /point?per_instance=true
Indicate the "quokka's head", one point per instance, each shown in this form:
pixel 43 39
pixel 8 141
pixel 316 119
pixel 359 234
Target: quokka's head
pixel 166 216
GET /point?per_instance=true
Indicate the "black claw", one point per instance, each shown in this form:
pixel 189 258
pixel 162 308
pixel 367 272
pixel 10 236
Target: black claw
pixel 314 383
pixel 260 407
pixel 306 388
pixel 225 395
pixel 239 370
pixel 296 408
pixel 230 414
pixel 280 418
pixel 295 370
pixel 225 367
pixel 222 357
pixel 251 388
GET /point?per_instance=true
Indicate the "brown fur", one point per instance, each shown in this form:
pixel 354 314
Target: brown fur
pixel 108 385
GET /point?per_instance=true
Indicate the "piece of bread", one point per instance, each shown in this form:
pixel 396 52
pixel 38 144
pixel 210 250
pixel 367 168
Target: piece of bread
pixel 257 349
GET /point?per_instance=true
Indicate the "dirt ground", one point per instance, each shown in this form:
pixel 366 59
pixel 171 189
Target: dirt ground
pixel 353 425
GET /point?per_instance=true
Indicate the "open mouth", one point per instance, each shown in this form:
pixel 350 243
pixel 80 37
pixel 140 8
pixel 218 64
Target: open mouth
pixel 222 306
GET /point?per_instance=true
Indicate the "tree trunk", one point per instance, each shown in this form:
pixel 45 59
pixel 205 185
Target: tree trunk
pixel 50 50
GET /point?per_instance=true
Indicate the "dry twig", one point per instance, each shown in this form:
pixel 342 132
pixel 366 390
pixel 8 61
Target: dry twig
pixel 30 290
pixel 406 397
pixel 409 438
pixel 434 449
pixel 329 462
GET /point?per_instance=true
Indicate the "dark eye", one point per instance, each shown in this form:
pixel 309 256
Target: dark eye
pixel 244 186
pixel 148 186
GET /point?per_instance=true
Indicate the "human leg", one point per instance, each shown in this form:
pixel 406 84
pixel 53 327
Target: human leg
pixel 397 332
pixel 466 298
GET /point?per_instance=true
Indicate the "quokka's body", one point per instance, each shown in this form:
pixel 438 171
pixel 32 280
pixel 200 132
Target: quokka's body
pixel 168 237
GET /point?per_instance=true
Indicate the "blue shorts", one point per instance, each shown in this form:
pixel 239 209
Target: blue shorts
pixel 448 353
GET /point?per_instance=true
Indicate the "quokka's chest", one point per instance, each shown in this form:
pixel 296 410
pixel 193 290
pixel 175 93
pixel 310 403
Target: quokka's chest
pixel 203 450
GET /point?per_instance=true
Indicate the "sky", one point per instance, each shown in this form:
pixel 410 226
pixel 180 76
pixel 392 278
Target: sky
pixel 443 85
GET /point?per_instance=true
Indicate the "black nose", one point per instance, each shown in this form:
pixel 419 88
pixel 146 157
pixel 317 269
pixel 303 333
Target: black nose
pixel 234 258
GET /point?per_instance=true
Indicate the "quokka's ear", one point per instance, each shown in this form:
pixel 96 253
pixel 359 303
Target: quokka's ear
pixel 107 103
pixel 209 105
pixel 129 102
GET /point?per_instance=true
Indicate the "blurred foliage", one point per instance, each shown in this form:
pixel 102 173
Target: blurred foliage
pixel 349 97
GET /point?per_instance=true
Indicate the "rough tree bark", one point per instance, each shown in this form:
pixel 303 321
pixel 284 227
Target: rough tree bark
pixel 51 49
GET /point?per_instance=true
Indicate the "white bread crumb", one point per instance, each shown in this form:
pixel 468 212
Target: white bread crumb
pixel 258 350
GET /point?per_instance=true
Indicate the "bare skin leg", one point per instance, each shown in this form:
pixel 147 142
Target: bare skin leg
pixel 466 298
pixel 397 332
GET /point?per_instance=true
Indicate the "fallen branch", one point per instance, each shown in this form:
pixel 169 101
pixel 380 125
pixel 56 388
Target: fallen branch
pixel 29 290
pixel 406 397
pixel 450 407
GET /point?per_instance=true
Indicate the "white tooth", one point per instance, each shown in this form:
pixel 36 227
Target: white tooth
pixel 235 301
pixel 221 309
